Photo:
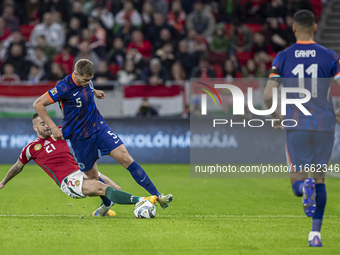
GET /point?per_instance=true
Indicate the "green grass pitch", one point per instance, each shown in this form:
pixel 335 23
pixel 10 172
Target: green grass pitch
pixel 207 216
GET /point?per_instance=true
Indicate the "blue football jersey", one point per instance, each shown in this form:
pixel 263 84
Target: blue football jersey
pixel 312 66
pixel 81 116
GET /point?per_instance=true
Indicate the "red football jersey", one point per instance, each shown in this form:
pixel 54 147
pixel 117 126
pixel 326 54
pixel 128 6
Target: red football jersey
pixel 54 157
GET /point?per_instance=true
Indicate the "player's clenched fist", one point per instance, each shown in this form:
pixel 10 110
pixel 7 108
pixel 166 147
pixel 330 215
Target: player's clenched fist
pixel 57 134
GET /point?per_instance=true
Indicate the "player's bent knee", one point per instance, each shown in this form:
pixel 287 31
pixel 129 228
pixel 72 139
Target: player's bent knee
pixel 319 180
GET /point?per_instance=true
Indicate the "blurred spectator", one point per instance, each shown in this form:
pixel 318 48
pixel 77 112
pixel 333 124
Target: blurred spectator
pixel 53 32
pixel 229 72
pixel 233 10
pixel 255 11
pixel 9 75
pixel 201 20
pixel 197 44
pixel 61 6
pixel 4 31
pixel 241 38
pixel 260 44
pixel 165 38
pixel 288 32
pixel 153 32
pixel 177 73
pixel 275 36
pixel 57 18
pixel 160 6
pixel 297 5
pixel 218 11
pixel 176 17
pixel 12 22
pixel 147 15
pixel 220 41
pixel 65 60
pixel 251 71
pixel 137 59
pixel 166 55
pixel 78 13
pixel 16 38
pixel 277 10
pixel 99 36
pixel 41 61
pixel 128 12
pixel 102 75
pixel 32 11
pixel 49 50
pixel 128 74
pixel 187 59
pixel 106 17
pixel 57 73
pixel 86 52
pixel 145 110
pixel 74 28
pixel 17 59
pixel 73 42
pixel 117 53
pixel 155 74
pixel 203 70
pixel 125 32
pixel 138 42
pixel 35 75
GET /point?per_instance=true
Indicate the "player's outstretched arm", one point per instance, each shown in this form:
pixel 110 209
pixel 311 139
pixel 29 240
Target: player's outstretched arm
pixel 15 170
pixel 40 106
pixel 268 100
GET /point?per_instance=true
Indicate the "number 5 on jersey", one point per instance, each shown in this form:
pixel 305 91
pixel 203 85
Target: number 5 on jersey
pixel 79 104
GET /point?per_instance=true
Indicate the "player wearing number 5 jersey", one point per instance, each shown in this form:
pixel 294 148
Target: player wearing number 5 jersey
pixel 86 128
pixel 309 144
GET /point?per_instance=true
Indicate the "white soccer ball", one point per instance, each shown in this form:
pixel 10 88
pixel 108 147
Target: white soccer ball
pixel 144 209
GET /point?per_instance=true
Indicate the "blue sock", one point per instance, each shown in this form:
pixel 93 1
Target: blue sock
pixel 297 188
pixel 142 178
pixel 321 199
pixel 106 201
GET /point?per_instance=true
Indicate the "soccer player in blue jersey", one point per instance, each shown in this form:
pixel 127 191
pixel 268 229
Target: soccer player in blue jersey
pixel 309 144
pixel 87 130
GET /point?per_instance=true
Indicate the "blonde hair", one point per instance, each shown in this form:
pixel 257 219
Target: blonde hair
pixel 84 67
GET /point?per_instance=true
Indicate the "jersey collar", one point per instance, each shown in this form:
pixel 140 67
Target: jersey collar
pixel 74 80
pixel 305 42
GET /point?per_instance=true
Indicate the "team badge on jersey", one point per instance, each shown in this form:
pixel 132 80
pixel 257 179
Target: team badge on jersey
pixel 37 146
pixel 54 91
pixel 77 183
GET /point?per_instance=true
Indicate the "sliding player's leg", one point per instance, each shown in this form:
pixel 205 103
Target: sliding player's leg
pixel 110 144
pixel 76 185
pixel 86 153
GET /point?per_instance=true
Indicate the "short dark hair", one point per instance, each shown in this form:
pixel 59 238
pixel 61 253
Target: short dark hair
pixel 304 18
pixel 35 116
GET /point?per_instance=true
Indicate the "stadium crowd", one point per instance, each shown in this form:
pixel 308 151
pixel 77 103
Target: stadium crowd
pixel 150 40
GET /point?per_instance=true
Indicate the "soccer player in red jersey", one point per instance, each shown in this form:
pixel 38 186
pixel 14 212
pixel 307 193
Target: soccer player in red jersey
pixel 55 158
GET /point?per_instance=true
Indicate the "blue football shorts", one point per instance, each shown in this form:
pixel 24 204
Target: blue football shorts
pixel 86 150
pixel 308 149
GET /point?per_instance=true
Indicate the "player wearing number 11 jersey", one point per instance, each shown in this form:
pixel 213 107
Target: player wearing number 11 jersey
pixel 309 144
